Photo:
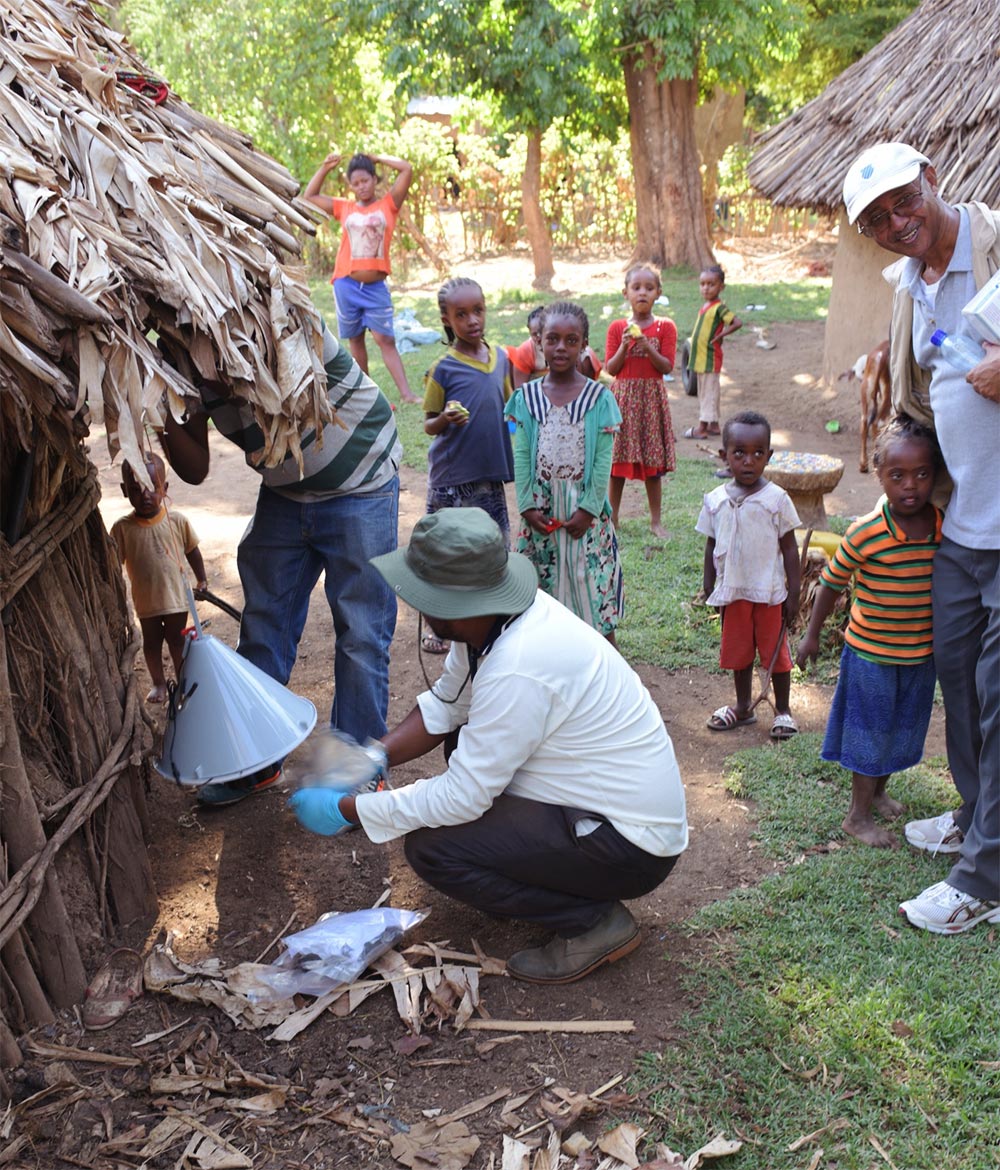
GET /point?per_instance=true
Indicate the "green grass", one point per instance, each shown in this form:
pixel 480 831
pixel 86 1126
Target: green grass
pixel 804 300
pixel 818 1004
pixel 663 625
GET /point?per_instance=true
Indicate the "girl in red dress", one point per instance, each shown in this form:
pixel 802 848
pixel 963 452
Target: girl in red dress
pixel 639 352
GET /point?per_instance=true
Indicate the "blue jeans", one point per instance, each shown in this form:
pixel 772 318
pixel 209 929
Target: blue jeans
pixel 281 556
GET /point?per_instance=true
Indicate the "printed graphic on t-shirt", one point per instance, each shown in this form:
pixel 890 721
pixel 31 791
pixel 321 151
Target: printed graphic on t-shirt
pixel 367 232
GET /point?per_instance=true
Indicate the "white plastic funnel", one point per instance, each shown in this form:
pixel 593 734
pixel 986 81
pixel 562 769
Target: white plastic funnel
pixel 227 718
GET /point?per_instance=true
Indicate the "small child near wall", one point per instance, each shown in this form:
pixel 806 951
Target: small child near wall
pixel 150 543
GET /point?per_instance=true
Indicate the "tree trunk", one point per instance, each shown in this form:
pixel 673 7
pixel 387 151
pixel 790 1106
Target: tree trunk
pixel 539 237
pixel 669 208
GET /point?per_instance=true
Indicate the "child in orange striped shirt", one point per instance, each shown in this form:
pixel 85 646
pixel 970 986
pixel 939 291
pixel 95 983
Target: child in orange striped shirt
pixel 882 706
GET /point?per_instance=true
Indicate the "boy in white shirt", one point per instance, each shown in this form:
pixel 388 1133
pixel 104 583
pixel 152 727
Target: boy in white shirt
pixel 752 572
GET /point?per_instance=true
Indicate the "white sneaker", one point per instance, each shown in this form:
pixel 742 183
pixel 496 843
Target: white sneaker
pixel 936 834
pixel 942 909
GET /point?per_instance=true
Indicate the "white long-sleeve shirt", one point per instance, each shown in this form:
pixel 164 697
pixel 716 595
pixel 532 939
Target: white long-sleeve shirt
pixel 554 714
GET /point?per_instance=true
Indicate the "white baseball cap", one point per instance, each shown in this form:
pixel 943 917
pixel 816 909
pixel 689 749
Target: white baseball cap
pixel 879 169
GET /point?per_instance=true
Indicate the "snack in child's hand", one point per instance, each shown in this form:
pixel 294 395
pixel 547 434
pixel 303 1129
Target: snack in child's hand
pixel 633 330
pixel 457 407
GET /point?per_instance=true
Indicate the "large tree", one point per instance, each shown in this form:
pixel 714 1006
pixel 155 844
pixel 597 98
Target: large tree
pixel 526 57
pixel 670 51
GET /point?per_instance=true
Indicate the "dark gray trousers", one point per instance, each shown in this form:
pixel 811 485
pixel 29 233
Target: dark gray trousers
pixel 966 601
pixel 523 859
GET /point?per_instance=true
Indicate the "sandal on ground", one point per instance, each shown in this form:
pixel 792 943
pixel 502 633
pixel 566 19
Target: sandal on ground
pixel 113 990
pixel 431 645
pixel 784 727
pixel 691 433
pixel 725 719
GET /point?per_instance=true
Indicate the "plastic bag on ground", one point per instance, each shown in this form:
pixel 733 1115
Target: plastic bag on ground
pixel 334 950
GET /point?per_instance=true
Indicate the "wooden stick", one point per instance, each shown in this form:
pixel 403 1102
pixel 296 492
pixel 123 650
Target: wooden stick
pixel 277 937
pixel 551 1025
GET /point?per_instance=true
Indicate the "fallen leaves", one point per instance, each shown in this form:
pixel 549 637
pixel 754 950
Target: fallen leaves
pixel 426 996
pixel 426 1145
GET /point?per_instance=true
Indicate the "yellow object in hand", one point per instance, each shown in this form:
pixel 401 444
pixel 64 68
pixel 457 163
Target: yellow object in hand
pixel 458 408
pixel 633 330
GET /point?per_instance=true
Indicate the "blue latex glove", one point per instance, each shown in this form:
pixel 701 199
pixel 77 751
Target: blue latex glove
pixel 316 810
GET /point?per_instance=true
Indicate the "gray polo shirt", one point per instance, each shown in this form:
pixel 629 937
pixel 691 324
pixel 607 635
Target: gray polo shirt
pixel 967 425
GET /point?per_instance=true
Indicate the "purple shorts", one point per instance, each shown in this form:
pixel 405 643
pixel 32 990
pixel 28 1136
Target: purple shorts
pixel 362 306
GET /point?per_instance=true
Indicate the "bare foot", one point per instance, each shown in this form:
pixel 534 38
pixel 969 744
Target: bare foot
pixel 158 694
pixel 887 807
pixel 869 833
pixel 659 531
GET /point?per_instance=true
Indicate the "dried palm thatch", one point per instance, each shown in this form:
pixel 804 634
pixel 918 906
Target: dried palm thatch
pixel 122 224
pixel 124 221
pixel 932 82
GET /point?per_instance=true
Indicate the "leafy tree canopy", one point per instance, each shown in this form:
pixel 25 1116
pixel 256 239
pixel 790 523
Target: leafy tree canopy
pixel 294 76
pixel 835 34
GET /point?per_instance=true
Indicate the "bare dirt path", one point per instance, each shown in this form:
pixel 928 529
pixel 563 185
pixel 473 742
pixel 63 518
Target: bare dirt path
pixel 229 881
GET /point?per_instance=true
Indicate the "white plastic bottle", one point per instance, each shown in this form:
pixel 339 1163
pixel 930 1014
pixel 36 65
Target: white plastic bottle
pixel 962 353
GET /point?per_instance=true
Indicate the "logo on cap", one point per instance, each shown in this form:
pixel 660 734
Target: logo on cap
pixel 868 172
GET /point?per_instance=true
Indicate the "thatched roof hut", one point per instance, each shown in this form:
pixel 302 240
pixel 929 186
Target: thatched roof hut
pixel 125 217
pixel 931 82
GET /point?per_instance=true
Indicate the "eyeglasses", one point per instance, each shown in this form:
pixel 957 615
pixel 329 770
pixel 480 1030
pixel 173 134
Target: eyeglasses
pixel 878 222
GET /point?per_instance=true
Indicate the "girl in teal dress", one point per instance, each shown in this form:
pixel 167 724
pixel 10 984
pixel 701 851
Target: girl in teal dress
pixel 565 428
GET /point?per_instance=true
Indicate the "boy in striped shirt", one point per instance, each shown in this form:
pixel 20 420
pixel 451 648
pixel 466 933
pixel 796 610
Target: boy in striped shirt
pixel 882 707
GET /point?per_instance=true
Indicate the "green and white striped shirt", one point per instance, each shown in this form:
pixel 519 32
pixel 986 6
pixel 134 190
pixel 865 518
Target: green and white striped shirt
pixel 360 457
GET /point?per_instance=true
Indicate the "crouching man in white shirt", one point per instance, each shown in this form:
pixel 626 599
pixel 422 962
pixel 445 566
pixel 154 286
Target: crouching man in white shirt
pixel 562 796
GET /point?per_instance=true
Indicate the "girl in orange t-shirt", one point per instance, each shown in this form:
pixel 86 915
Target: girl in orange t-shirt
pixel 359 288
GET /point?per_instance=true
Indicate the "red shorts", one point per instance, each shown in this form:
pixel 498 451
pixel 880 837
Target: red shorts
pixel 749 627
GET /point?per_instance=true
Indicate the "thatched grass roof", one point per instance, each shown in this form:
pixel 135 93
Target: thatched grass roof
pixel 933 82
pixel 122 221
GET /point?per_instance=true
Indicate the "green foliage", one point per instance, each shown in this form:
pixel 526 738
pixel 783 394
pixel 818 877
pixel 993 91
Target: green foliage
pixel 292 76
pixel 524 56
pixel 835 34
pixel 727 42
pixel 816 1004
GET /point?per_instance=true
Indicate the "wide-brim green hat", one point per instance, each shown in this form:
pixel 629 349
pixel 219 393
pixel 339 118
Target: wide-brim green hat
pixel 457 566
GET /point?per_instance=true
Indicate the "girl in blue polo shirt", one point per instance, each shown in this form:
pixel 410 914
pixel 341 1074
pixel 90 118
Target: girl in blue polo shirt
pixel 464 395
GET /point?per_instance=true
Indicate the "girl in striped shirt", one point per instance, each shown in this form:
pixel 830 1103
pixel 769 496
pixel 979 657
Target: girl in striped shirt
pixel 882 706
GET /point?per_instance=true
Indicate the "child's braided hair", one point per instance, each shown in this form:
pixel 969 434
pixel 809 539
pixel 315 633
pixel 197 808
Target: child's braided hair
pixel 903 427
pixel 652 269
pixel 445 291
pixel 568 309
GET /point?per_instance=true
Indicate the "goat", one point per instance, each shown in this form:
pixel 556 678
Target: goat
pixel 872 371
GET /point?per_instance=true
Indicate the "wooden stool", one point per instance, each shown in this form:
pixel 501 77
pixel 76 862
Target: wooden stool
pixel 807 478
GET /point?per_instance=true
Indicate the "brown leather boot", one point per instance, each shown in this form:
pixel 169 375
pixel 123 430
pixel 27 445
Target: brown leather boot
pixel 563 960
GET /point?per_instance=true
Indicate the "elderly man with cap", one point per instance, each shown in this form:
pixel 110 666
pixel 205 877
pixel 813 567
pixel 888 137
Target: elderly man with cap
pixel 949 251
pixel 562 796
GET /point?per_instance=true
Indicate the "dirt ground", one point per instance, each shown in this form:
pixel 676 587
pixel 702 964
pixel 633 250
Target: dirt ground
pixel 230 881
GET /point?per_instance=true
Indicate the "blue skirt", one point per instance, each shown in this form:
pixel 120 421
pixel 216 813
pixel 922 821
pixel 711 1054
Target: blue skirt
pixel 879 716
